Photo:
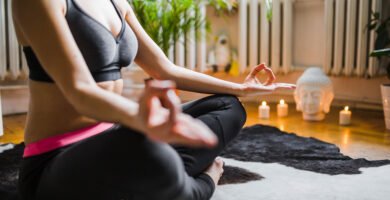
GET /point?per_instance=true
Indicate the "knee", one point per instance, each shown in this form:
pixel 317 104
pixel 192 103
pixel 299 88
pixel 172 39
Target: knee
pixel 235 107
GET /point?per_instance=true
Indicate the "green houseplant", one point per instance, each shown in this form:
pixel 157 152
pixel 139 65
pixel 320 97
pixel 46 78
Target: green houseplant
pixel 382 41
pixel 167 20
pixel 382 49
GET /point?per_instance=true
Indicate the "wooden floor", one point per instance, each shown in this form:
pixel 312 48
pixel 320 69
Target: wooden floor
pixel 366 137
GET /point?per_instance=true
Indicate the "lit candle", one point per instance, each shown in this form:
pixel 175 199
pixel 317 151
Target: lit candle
pixel 264 110
pixel 282 109
pixel 345 116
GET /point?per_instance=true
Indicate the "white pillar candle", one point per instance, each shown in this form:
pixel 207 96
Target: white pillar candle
pixel 345 116
pixel 282 109
pixel 264 110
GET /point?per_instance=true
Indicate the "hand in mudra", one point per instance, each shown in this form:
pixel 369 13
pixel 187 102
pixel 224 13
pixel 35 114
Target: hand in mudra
pixel 252 86
pixel 162 119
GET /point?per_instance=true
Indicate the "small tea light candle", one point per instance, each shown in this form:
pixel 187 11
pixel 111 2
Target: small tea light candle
pixel 282 109
pixel 264 110
pixel 345 116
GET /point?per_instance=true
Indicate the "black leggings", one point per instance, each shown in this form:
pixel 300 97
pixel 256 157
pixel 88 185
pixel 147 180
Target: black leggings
pixel 121 163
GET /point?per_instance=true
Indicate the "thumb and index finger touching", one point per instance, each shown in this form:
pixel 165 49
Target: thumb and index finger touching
pixel 164 92
pixel 194 133
pixel 270 75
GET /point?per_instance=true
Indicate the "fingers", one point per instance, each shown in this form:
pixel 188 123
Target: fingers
pixel 177 128
pixel 155 88
pixel 274 86
pixel 205 134
pixel 256 70
pixel 284 86
pixel 193 132
pixel 172 102
pixel 161 93
pixel 270 74
pixel 164 91
pixel 258 89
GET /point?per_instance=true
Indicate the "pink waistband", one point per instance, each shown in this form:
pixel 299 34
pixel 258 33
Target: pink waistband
pixel 57 141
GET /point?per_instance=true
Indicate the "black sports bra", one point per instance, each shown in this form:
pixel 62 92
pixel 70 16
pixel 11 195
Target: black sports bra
pixel 104 53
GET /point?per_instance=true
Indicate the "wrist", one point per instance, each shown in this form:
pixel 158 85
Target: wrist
pixel 132 119
pixel 238 90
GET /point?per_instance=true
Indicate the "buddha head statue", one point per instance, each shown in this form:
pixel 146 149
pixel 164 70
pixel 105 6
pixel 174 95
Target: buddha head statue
pixel 314 94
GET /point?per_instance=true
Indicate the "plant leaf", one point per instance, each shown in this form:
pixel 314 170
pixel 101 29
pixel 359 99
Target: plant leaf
pixel 268 4
pixel 380 52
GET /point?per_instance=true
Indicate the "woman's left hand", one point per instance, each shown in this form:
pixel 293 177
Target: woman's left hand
pixel 252 86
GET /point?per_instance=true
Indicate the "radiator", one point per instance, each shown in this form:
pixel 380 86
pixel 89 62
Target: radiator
pixel 273 49
pixel 348 40
pixel 190 51
pixel 13 65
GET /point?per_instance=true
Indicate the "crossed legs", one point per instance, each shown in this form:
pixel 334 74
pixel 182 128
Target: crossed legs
pixel 121 163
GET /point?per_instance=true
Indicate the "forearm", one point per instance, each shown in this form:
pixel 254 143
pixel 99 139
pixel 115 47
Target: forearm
pixel 152 59
pixel 198 82
pixel 102 105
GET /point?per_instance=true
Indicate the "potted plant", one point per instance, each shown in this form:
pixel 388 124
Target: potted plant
pixel 166 21
pixel 382 50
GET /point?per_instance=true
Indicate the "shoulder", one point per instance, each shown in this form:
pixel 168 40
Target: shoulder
pixel 27 13
pixel 23 9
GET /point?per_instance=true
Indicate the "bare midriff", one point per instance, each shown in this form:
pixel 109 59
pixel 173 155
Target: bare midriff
pixel 51 114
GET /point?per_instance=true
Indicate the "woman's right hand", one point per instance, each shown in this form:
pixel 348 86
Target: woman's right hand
pixel 253 87
pixel 161 118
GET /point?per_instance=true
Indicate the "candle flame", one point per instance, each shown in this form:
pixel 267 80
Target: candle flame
pixel 346 108
pixel 282 101
pixel 263 103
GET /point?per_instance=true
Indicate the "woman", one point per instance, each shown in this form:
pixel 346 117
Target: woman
pixel 85 141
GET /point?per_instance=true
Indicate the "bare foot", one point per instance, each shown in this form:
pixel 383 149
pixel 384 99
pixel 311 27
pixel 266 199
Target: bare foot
pixel 215 170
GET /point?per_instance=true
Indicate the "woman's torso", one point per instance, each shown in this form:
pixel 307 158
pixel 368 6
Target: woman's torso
pixel 51 114
pixel 49 111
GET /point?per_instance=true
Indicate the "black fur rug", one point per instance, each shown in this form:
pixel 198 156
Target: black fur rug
pixel 234 175
pixel 268 144
pixel 9 164
pixel 256 143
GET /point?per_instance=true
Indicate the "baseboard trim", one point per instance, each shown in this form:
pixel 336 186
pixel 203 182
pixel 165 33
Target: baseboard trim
pixel 353 104
pixel 15 101
pixel 289 98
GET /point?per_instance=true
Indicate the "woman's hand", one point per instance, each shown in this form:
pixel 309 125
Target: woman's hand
pixel 252 86
pixel 161 117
